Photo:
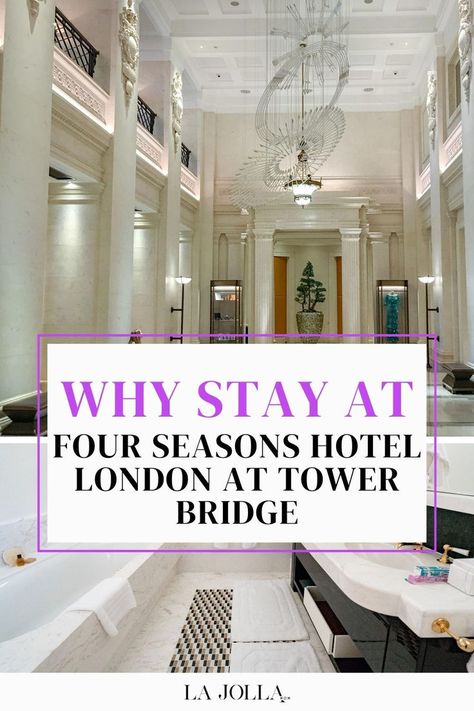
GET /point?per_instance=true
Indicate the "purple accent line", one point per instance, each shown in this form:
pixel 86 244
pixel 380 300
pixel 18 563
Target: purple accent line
pixel 435 444
pixel 38 443
pixel 237 550
pixel 434 337
pixel 241 335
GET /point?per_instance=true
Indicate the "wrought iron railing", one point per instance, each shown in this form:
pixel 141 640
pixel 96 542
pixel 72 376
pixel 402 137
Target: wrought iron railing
pixel 185 155
pixel 146 116
pixel 68 38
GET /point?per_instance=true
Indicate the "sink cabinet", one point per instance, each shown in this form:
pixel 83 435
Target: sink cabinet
pixel 386 643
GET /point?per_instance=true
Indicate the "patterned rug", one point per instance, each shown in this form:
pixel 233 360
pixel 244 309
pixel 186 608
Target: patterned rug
pixel 204 644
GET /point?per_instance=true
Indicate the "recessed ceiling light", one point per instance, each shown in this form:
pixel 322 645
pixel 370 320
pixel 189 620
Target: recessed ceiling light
pixel 368 89
pixel 234 3
pixel 201 46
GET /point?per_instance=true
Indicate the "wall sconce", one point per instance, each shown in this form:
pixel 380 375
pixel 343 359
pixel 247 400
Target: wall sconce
pixel 427 280
pixel 183 281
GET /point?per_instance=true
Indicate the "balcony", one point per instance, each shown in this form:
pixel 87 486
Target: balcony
pixel 73 43
pixel 75 60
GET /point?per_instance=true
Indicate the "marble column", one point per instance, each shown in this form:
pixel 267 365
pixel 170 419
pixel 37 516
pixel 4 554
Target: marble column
pixel 379 269
pixel 249 282
pixel 72 273
pixel 25 137
pixel 186 270
pixel 415 257
pixel 365 285
pixel 466 50
pixel 351 280
pixel 441 246
pixel 235 256
pixel 394 255
pixel 207 256
pixel 118 224
pixel 263 282
pixel 145 270
pixel 170 76
pixel 223 256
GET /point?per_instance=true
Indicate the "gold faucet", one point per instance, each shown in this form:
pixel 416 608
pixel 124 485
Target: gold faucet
pixel 416 546
pixel 441 626
pixel 445 559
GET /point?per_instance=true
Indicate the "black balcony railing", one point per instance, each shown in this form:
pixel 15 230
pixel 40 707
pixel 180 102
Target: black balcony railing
pixel 146 116
pixel 185 155
pixel 74 44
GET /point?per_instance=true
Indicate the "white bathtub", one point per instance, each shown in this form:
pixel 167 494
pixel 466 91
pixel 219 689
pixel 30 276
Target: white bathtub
pixel 36 594
pixel 39 633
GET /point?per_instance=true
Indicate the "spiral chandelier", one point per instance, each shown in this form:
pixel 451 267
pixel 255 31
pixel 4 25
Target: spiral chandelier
pixel 298 124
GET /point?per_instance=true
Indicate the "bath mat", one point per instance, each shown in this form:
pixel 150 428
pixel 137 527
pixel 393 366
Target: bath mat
pixel 204 644
pixel 265 611
pixel 284 658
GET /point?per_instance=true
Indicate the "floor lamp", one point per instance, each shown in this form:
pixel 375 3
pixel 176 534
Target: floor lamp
pixel 427 280
pixel 183 281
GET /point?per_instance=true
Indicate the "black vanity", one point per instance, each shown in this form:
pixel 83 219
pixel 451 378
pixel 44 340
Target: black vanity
pixel 385 643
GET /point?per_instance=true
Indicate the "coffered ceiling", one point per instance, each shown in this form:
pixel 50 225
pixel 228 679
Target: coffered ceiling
pixel 223 47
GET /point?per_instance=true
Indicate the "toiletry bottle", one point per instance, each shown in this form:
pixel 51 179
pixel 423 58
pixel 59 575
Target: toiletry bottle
pixel 20 561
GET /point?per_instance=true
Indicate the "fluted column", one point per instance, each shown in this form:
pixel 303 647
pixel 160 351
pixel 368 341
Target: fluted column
pixel 25 137
pixel 351 279
pixel 466 52
pixel 263 281
pixel 379 268
pixel 118 224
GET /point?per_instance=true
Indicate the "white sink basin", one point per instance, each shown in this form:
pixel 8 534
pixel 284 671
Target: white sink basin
pixel 377 581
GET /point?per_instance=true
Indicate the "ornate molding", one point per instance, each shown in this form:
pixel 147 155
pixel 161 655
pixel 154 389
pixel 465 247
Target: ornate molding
pixel 34 7
pixel 465 44
pixel 425 180
pixel 431 101
pixel 177 108
pixel 77 85
pixel 129 42
pixel 150 148
pixel 189 181
pixel 453 145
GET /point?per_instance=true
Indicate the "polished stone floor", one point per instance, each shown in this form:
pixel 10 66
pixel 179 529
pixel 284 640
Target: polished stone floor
pixel 455 413
pixel 154 645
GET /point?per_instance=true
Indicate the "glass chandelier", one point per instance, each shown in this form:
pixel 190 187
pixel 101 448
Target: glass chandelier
pixel 298 123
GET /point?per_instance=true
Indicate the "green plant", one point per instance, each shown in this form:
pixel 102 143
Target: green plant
pixel 310 291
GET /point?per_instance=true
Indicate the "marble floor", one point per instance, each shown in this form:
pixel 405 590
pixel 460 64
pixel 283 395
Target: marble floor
pixel 455 413
pixel 153 647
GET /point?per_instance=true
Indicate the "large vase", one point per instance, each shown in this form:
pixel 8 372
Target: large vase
pixel 310 323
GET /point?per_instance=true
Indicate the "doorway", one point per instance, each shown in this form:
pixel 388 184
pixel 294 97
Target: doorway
pixel 280 271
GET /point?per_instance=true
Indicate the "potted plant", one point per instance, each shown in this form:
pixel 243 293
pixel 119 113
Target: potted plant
pixel 309 294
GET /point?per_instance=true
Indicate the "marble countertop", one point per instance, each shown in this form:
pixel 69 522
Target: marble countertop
pixel 377 581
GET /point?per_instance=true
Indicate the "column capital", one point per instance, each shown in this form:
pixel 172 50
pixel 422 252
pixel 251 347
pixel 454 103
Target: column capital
pixel 378 237
pixel 350 233
pixel 262 234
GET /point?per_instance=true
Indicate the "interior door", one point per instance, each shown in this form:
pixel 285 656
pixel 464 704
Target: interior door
pixel 281 294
